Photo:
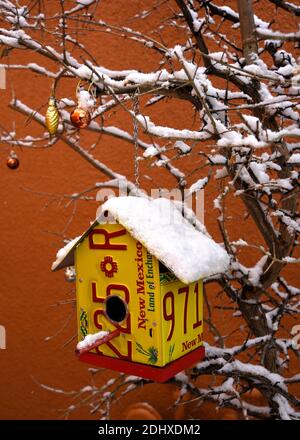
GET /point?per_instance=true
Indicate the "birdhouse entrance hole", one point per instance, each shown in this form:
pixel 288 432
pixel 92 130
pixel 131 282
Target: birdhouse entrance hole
pixel 115 308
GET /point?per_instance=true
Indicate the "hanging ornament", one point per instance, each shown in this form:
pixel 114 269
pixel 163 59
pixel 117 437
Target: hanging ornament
pixel 81 116
pixel 13 161
pixel 70 274
pixel 52 116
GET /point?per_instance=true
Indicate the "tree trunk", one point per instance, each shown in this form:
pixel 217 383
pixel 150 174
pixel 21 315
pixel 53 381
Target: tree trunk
pixel 252 312
pixel 247 24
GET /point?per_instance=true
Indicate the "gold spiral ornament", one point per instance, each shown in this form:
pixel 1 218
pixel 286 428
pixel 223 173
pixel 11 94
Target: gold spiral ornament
pixel 52 116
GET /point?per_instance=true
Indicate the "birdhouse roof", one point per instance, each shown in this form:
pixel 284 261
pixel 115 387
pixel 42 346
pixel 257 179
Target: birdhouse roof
pixel 161 228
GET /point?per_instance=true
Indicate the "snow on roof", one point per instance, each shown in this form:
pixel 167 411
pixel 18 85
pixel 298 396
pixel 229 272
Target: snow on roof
pixel 161 228
pixel 63 253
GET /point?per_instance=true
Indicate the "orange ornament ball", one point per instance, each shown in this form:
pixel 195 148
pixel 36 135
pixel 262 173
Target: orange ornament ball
pixel 12 162
pixel 80 118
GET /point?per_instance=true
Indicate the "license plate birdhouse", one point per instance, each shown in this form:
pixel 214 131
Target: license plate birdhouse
pixel 139 287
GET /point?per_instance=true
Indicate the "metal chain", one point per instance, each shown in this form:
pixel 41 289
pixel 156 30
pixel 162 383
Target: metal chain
pixel 136 111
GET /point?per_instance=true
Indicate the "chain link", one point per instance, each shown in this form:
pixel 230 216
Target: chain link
pixel 136 111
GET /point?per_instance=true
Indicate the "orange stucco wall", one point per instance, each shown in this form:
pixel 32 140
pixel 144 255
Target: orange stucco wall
pixel 34 305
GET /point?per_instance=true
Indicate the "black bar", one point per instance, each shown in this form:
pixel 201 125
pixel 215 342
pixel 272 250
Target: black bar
pixel 130 429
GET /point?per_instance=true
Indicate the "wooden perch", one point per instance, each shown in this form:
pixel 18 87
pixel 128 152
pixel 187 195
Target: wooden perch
pixel 98 342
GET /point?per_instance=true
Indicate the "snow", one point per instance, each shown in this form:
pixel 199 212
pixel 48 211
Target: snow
pixel 167 132
pixel 129 388
pixel 212 352
pixel 85 100
pixel 63 252
pixel 267 33
pixel 182 377
pixel 85 2
pixel 292 225
pixel 283 183
pixel 240 242
pixel 219 56
pixel 150 152
pixel 41 70
pixel 197 22
pixel 86 389
pixel 91 339
pixel 9 41
pixel 197 186
pixel 256 271
pixel 295 158
pixel 291 260
pixel 220 173
pixel 160 227
pixel 144 78
pixel 175 52
pixel 259 169
pixel 131 378
pixel 217 159
pixel 255 370
pixel 80 5
pixel 286 70
pixel 229 11
pixel 182 147
pixel 252 121
pixel 284 408
pixel 235 139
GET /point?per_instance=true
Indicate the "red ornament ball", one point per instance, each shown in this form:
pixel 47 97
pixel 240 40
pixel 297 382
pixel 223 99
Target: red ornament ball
pixel 80 118
pixel 12 162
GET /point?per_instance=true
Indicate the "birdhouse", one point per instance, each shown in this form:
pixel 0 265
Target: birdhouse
pixel 139 287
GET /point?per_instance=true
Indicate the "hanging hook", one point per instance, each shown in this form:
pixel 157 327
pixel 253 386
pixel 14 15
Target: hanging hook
pixel 78 87
pixel 55 83
pixel 90 90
